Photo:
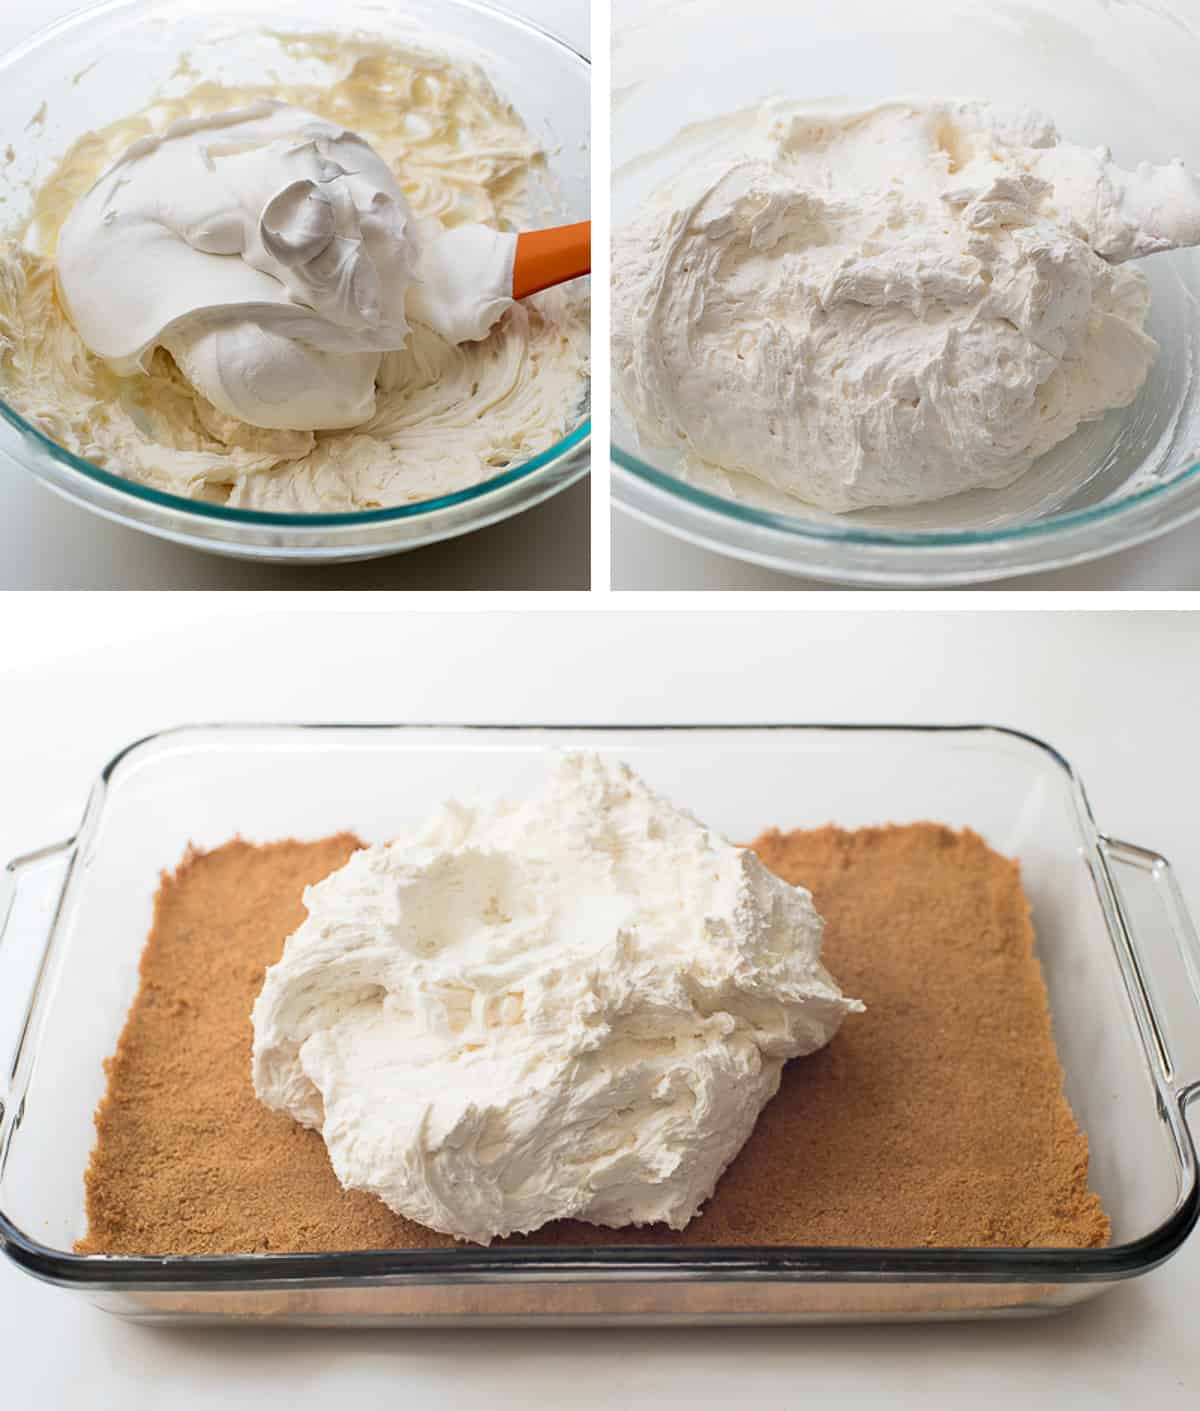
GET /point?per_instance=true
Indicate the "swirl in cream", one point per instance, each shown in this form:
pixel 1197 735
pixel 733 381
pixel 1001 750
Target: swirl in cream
pixel 271 253
pixel 300 371
pixel 888 306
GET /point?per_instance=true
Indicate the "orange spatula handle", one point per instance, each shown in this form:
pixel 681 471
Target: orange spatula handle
pixel 546 257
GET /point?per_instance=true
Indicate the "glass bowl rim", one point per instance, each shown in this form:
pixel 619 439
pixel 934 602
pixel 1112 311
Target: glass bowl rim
pixel 182 504
pixel 796 528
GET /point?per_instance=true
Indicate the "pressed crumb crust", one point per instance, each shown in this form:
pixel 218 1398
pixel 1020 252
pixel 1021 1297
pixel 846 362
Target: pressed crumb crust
pixel 935 1118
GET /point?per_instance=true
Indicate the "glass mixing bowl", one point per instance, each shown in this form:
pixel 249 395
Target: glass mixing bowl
pixel 1117 73
pixel 98 65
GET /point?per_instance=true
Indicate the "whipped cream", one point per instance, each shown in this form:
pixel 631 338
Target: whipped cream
pixel 451 408
pixel 271 253
pixel 574 1006
pixel 888 306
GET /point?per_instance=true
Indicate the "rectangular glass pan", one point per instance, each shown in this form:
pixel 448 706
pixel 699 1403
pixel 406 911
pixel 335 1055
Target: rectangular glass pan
pixel 1120 959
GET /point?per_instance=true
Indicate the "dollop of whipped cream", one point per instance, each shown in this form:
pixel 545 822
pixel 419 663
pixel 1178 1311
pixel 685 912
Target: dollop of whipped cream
pixel 274 255
pixel 572 1006
pixel 448 414
pixel 889 306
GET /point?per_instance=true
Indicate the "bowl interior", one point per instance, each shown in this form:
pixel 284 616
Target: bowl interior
pixel 1114 76
pixel 112 60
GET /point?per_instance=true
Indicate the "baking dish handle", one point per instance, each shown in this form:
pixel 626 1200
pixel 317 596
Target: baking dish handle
pixel 30 896
pixel 1164 938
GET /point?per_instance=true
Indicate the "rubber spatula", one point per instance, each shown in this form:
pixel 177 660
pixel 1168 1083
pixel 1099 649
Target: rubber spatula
pixel 546 257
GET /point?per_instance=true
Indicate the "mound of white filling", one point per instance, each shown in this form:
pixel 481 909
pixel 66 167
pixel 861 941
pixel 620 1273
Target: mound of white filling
pixel 574 1006
pixel 272 253
pixel 889 306
pixel 261 266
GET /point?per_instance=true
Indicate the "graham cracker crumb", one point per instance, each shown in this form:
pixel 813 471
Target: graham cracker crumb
pixel 937 1118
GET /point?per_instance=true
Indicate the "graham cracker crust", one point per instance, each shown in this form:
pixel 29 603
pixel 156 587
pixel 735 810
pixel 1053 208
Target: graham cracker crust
pixel 936 1118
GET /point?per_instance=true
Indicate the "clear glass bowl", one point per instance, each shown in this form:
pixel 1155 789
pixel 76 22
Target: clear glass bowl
pixel 102 63
pixel 1119 956
pixel 1118 75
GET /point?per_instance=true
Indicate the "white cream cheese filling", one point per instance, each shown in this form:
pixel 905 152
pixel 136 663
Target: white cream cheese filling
pixel 272 254
pixel 889 306
pixel 573 1006
pixel 450 405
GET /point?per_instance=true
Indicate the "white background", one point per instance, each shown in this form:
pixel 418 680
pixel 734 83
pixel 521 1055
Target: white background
pixel 1115 691
pixel 45 542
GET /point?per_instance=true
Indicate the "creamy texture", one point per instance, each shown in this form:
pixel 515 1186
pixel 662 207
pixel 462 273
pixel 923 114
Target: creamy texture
pixel 428 150
pixel 272 254
pixel 889 306
pixel 574 1006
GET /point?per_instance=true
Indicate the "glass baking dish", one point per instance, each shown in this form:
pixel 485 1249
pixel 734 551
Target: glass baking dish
pixel 1120 958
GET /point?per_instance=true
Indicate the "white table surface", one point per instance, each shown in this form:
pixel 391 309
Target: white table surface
pixel 47 542
pixel 648 559
pixel 1115 691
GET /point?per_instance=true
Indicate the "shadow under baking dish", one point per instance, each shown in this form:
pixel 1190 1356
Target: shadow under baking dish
pixel 1117 952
